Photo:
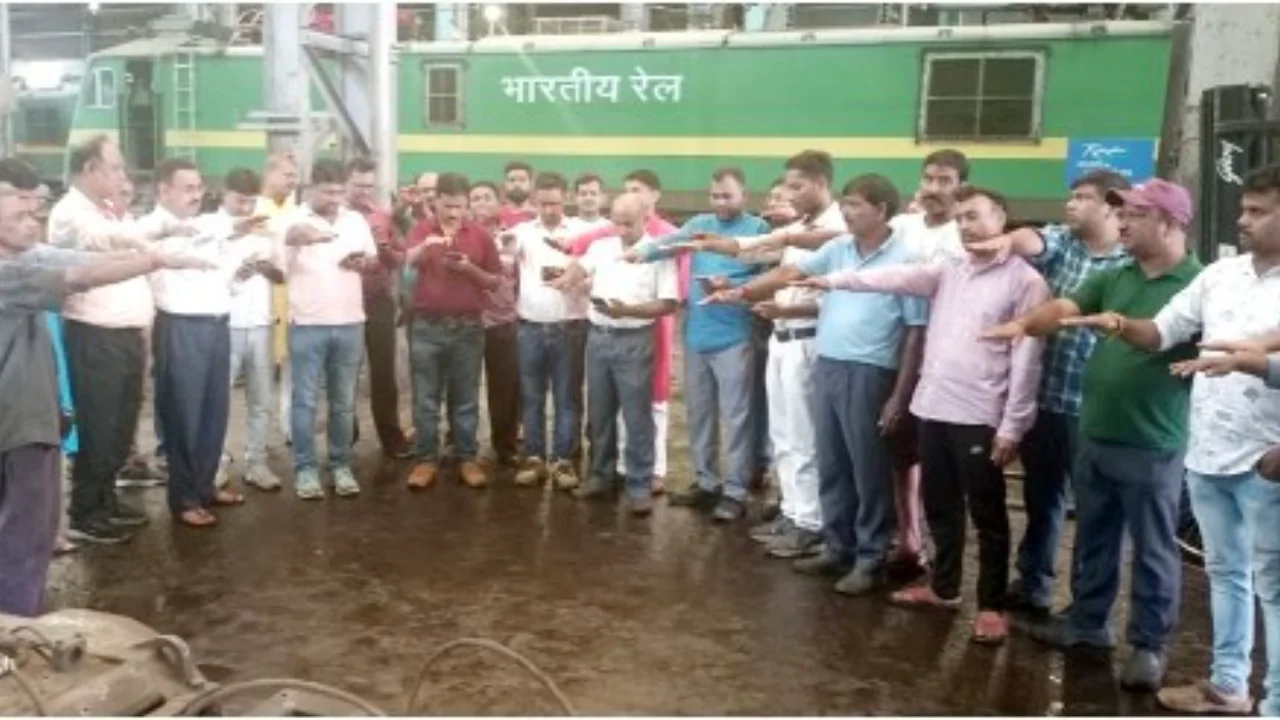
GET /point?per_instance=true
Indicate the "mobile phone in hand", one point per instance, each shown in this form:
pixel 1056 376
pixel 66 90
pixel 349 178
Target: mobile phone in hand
pixel 707 283
pixel 600 304
pixel 551 274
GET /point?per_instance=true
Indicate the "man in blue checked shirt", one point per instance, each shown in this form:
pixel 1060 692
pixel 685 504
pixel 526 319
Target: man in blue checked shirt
pixel 1065 255
pixel 718 353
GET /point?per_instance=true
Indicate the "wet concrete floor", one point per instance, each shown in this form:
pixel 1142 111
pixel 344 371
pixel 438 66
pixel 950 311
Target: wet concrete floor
pixel 666 615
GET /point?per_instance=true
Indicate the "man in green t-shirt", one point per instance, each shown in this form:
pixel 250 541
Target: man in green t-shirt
pixel 1133 429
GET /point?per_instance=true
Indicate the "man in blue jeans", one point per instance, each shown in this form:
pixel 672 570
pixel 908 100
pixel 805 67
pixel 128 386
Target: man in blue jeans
pixel 544 338
pixel 327 247
pixel 1133 431
pixel 626 299
pixel 1235 422
pixel 1066 255
pixel 457 265
pixel 719 355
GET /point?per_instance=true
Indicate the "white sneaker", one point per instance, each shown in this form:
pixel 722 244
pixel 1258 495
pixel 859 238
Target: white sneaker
pixel 344 483
pixel 261 477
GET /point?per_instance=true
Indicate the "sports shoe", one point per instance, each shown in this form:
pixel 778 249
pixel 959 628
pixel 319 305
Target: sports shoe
pixel 261 477
pixel 307 485
pixel 344 483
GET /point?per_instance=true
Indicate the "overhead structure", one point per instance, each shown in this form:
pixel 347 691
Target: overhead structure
pixel 363 96
pixel 353 69
pixel 287 119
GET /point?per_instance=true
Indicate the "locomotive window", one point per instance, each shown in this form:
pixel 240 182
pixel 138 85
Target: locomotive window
pixel 442 94
pixel 100 90
pixel 981 96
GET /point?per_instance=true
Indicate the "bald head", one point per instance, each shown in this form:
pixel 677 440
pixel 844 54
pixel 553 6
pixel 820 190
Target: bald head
pixel 280 178
pixel 426 183
pixel 628 215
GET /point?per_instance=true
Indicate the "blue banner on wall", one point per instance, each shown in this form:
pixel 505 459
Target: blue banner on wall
pixel 1130 157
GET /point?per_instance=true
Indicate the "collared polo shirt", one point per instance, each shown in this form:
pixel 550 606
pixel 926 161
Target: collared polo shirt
pixel 1129 396
pixel 863 327
pixel 711 328
pixel 1236 417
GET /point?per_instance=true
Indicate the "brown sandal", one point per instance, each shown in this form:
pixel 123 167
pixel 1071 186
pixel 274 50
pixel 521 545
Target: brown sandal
pixel 197 518
pixel 226 498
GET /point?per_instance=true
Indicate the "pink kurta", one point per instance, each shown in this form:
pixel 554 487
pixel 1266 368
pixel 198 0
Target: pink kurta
pixel 665 328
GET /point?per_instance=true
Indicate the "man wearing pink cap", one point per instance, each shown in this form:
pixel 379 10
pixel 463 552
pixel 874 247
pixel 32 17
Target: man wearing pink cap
pixel 1133 432
pixel 1235 420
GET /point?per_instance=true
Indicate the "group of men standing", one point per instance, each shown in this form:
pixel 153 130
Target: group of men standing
pixel 944 346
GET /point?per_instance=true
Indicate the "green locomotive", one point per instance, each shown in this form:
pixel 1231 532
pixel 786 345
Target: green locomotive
pixel 1031 104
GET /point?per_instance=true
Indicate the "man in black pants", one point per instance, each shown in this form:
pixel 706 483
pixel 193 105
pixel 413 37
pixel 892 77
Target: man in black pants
pixel 35 278
pixel 104 341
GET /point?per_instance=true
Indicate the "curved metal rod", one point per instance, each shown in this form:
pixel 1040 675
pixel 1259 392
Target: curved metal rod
pixel 206 699
pixel 501 649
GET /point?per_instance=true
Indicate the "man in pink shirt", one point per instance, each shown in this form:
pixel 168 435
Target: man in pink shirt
pixel 326 249
pixel 644 185
pixel 975 400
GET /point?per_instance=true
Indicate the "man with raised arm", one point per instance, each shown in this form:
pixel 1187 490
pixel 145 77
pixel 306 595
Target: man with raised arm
pixel 36 278
pixel 1133 433
pixel 975 401
pixel 797 327
pixel 867 353
pixel 718 355
pixel 1066 255
pixel 105 334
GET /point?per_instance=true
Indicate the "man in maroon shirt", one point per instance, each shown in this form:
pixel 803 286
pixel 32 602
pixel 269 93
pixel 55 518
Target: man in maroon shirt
pixel 501 353
pixel 518 184
pixel 457 266
pixel 380 308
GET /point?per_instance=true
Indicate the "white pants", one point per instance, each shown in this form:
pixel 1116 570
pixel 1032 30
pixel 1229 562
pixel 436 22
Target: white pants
pixel 659 441
pixel 286 400
pixel 790 388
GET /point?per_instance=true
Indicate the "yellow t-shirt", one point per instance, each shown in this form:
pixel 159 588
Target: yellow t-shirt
pixel 280 293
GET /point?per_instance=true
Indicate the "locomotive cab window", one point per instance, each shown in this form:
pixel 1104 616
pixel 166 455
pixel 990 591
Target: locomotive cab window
pixel 442 94
pixel 982 96
pixel 100 90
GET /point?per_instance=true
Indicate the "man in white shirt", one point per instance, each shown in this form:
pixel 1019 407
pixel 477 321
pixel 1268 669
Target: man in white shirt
pixel 932 233
pixel 544 339
pixel 104 341
pixel 325 250
pixel 192 345
pixel 250 320
pixel 591 201
pixel 626 299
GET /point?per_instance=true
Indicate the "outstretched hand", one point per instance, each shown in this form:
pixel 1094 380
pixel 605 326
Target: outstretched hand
pixel 1105 322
